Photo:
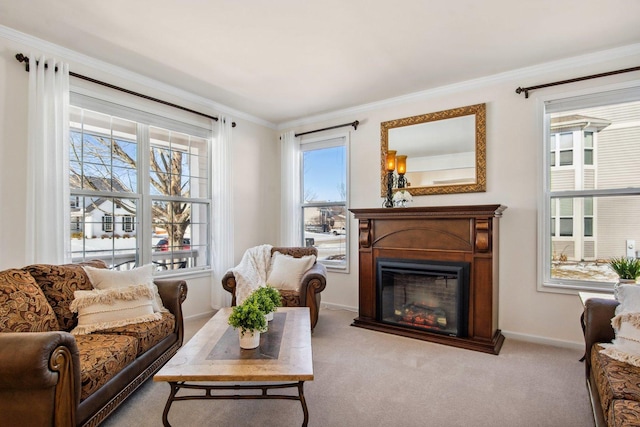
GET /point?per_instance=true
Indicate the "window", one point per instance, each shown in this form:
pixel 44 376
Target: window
pixel 324 200
pixel 591 188
pixel 140 187
pixel 127 224
pixel 107 223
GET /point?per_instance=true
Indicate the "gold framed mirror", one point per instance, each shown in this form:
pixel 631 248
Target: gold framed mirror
pixel 446 151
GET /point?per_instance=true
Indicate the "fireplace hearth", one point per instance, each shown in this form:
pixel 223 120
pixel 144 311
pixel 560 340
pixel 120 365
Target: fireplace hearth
pixel 423 295
pixel 431 273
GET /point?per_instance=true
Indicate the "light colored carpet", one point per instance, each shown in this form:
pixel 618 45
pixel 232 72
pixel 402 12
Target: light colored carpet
pixel 368 378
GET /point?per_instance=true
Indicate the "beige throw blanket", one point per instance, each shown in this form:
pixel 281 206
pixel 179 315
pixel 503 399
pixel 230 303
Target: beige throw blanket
pixel 252 272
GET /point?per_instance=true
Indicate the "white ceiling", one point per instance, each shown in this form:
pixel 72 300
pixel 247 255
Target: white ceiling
pixel 281 60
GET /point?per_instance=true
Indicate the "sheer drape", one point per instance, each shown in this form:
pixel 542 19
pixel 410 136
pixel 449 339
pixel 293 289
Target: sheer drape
pixel 290 211
pixel 222 211
pixel 47 174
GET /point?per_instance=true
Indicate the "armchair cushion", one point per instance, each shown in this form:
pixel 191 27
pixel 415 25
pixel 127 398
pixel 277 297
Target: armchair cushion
pixel 287 271
pixel 23 306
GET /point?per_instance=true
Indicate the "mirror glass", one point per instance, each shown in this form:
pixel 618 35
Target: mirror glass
pixel 445 150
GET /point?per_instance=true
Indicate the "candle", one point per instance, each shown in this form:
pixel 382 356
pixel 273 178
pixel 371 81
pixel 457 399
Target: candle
pixel 402 164
pixel 391 160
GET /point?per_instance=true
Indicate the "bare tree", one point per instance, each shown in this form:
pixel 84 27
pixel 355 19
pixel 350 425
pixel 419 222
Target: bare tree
pixel 166 177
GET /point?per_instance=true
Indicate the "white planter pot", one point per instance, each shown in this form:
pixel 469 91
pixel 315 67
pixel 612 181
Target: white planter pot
pixel 270 317
pixel 249 340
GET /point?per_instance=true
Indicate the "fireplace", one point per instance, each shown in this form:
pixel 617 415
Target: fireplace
pixel 423 295
pixel 431 273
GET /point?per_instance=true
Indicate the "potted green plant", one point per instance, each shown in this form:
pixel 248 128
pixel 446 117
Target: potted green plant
pixel 627 269
pixel 249 320
pixel 268 299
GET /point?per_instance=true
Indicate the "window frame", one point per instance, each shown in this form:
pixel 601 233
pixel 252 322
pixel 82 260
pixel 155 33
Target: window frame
pixel 315 143
pixel 147 115
pixel 616 93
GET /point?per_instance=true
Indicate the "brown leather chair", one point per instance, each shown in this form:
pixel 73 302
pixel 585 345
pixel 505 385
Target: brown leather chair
pixel 312 283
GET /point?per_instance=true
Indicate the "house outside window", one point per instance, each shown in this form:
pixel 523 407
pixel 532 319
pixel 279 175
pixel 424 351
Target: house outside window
pixel 151 174
pixel 324 199
pixel 591 188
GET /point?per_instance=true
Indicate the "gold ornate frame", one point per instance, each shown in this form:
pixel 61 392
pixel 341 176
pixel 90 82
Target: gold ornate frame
pixel 479 110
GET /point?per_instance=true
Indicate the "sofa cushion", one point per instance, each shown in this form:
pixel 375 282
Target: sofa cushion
pixel 59 282
pixel 102 356
pixel 100 309
pixel 108 279
pixel 147 334
pixel 614 379
pixel 23 306
pixel 623 413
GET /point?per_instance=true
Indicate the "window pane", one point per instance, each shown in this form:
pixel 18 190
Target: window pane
pixel 566 141
pixel 588 157
pixel 324 175
pixel 566 158
pixel 608 223
pixel 325 228
pixel 588 227
pixel 566 226
pixel 566 206
pixel 98 229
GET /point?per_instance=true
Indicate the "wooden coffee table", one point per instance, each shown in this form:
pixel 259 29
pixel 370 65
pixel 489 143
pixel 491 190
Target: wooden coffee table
pixel 214 355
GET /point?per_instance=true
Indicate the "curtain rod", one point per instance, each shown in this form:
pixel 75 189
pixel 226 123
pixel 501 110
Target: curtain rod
pixel 578 79
pixel 354 124
pixel 21 58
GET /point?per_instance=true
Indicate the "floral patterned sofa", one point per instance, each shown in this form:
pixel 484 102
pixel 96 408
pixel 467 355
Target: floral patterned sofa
pixel 614 385
pixel 51 376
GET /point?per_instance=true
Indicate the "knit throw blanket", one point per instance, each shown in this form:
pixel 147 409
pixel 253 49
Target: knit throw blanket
pixel 252 272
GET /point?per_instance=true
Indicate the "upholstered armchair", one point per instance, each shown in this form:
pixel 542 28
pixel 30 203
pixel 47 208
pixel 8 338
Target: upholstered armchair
pixel 306 294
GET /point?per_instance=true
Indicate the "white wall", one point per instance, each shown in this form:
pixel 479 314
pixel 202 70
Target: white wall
pixel 514 137
pixel 255 167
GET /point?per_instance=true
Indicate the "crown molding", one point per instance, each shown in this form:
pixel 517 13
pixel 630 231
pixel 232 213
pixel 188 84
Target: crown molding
pixel 507 76
pixel 122 73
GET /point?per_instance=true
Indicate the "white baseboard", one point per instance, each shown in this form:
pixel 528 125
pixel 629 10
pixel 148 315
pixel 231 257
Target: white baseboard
pixel 200 315
pixel 331 306
pixel 543 340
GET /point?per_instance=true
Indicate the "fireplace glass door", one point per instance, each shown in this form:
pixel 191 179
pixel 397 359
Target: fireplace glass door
pixel 430 296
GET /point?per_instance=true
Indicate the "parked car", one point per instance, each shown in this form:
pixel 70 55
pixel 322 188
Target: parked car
pixel 337 231
pixel 163 245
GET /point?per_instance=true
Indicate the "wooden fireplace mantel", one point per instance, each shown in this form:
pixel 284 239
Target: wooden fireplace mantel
pixel 439 233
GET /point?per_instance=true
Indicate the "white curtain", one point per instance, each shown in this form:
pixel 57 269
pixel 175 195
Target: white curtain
pixel 290 212
pixel 47 209
pixel 222 211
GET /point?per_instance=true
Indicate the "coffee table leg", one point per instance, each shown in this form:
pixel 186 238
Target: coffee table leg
pixel 165 414
pixel 304 403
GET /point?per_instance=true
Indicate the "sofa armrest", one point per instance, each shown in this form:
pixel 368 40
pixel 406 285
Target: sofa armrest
pixel 173 294
pixel 314 280
pixel 229 285
pixel 597 316
pixel 39 378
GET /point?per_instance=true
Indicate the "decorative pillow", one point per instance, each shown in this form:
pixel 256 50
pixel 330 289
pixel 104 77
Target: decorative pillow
pixel 108 308
pixel 59 282
pixel 107 279
pixel 626 346
pixel 629 298
pixel 286 271
pixel 23 306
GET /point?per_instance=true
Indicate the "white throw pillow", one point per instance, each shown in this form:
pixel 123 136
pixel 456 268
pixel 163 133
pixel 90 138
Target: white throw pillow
pixel 287 271
pixel 626 346
pixel 106 279
pixel 109 308
pixel 629 298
